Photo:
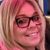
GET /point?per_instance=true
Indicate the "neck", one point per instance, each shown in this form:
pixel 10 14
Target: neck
pixel 20 47
pixel 24 48
pixel 30 48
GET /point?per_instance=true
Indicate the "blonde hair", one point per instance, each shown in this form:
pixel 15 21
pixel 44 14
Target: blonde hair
pixel 9 9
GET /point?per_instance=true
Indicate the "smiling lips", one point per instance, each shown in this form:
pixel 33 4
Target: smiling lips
pixel 34 34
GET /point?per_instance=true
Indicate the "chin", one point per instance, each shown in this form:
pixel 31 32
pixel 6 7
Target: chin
pixel 31 43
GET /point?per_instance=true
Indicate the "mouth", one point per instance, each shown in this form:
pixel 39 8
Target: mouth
pixel 33 35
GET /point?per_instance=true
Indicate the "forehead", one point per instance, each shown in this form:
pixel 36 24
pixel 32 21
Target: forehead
pixel 27 9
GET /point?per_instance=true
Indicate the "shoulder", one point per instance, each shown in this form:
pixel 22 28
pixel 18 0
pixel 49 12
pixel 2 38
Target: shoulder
pixel 2 46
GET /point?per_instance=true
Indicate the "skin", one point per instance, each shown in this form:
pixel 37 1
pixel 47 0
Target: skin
pixel 33 28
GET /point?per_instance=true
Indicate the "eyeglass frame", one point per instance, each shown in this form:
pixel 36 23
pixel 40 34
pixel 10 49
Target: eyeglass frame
pixel 30 18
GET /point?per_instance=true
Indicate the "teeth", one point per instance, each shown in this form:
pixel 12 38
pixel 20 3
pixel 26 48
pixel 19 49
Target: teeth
pixel 33 34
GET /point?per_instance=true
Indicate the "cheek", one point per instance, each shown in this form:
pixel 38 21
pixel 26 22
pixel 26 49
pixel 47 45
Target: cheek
pixel 42 23
pixel 18 30
pixel 43 26
pixel 39 25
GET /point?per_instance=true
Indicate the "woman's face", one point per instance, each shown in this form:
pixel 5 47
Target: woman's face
pixel 28 26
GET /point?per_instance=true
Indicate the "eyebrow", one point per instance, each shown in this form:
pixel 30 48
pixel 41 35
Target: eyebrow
pixel 34 14
pixel 21 15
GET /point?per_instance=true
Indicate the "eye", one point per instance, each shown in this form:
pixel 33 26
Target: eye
pixel 35 18
pixel 21 20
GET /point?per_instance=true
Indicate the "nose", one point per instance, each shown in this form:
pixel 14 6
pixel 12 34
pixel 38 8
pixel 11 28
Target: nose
pixel 32 24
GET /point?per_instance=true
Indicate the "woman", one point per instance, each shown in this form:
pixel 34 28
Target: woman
pixel 23 25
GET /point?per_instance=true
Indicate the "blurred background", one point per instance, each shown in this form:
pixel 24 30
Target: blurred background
pixel 45 5
pixel 1 1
